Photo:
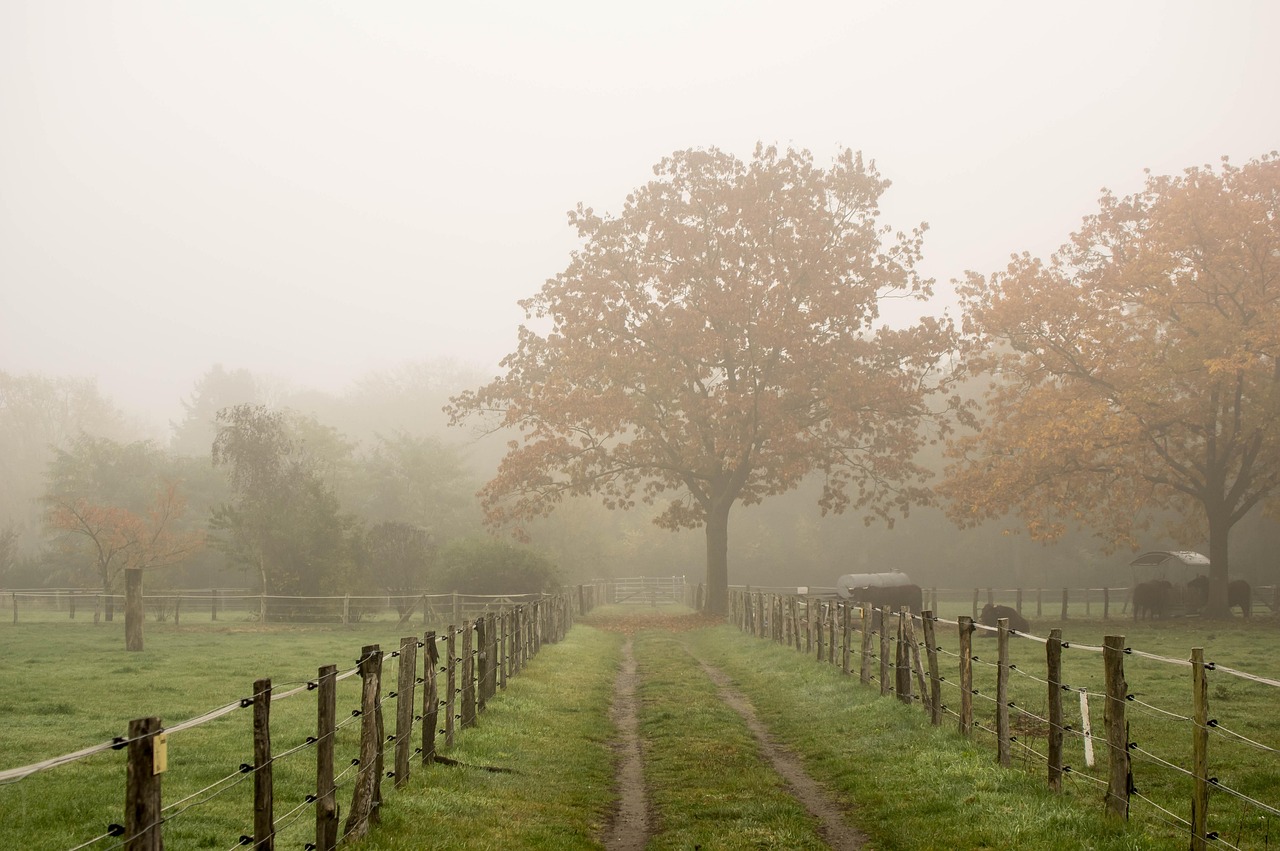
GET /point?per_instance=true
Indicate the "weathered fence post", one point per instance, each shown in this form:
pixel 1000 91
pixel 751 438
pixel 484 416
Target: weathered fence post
pixel 966 676
pixel 820 631
pixel 975 604
pixel 213 604
pixel 142 811
pixel 1053 667
pixel 264 828
pixel 913 651
pixel 1003 747
pixel 1120 777
pixel 134 614
pixel 846 631
pixel 468 676
pixel 482 662
pixel 450 685
pixel 1199 750
pixel 1064 604
pixel 365 789
pixel 886 685
pixel 405 683
pixel 831 633
pixel 864 664
pixel 430 696
pixel 1106 603
pixel 902 660
pixel 326 726
pixel 935 681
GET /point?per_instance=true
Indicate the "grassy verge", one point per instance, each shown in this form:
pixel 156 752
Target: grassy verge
pixel 910 785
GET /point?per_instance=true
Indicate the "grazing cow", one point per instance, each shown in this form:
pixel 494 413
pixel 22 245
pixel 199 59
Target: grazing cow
pixel 888 598
pixel 1239 593
pixel 992 613
pixel 1152 599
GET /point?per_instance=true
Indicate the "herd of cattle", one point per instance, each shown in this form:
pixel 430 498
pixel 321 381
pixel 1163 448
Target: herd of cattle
pixel 1155 599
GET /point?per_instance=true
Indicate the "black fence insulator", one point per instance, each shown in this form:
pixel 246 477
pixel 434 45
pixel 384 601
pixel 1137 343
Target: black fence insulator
pixel 115 829
pixel 245 768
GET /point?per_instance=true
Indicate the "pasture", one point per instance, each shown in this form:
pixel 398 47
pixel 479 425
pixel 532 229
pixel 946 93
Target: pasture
pixel 68 686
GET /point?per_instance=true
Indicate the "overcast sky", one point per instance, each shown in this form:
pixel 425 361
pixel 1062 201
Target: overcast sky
pixel 314 190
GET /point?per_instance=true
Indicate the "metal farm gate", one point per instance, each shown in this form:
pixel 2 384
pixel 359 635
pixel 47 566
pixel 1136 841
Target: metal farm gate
pixel 655 590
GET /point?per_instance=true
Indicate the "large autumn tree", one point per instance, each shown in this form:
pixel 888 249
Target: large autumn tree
pixel 1137 371
pixel 715 343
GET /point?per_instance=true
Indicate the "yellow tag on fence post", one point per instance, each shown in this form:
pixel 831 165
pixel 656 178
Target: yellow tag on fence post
pixel 160 754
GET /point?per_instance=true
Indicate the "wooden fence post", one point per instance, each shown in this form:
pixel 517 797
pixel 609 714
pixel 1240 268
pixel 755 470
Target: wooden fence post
pixel 864 664
pixel 975 604
pixel 902 660
pixel 326 726
pixel 213 604
pixel 1004 746
pixel 430 696
pixel 134 614
pixel 831 633
pixel 1018 603
pixel 820 630
pixel 142 811
pixel 450 685
pixel 264 828
pixel 846 631
pixel 935 681
pixel 262 607
pixel 482 662
pixel 1064 604
pixel 1039 602
pixel 405 683
pixel 1053 666
pixel 364 793
pixel 468 676
pixel 1106 603
pixel 1199 751
pixel 886 685
pixel 913 652
pixel 1120 777
pixel 504 647
pixel 966 676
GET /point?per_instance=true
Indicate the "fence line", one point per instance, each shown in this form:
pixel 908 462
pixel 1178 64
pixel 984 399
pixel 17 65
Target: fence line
pixel 504 640
pixel 806 621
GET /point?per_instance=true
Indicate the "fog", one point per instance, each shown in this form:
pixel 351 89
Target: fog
pixel 313 190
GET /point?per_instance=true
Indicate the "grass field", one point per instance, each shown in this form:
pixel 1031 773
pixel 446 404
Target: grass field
pixel 67 686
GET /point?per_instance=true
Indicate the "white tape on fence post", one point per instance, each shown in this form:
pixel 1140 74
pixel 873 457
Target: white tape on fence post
pixel 1086 728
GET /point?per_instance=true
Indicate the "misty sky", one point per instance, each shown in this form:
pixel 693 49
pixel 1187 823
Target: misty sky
pixel 313 190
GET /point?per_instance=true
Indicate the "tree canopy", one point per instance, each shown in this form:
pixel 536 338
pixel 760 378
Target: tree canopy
pixel 1136 371
pixel 715 343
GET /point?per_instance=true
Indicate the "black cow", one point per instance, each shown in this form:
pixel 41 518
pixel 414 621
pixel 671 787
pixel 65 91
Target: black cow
pixel 1152 599
pixel 889 598
pixel 1239 593
pixel 992 613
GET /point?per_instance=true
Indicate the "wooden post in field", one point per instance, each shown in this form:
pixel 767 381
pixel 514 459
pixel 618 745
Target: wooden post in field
pixel 1018 603
pixel 364 794
pixel 457 607
pixel 913 651
pixel 1004 746
pixel 134 614
pixel 326 726
pixel 1064 604
pixel 1039 602
pixel 902 661
pixel 71 606
pixel 1120 777
pixel 177 610
pixel 864 664
pixel 468 684
pixel 430 696
pixel 820 629
pixel 795 621
pixel 504 647
pixel 1053 667
pixel 966 676
pixel 846 631
pixel 935 681
pixel 933 599
pixel 975 604
pixel 262 606
pixel 1199 750
pixel 142 812
pixel 346 609
pixel 405 682
pixel 482 662
pixel 809 622
pixel 1088 603
pixel 213 604
pixel 264 826
pixel 450 684
pixel 886 685
pixel 1106 603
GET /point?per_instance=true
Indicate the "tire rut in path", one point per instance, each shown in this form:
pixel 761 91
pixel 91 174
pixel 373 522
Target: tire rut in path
pixel 831 823
pixel 629 828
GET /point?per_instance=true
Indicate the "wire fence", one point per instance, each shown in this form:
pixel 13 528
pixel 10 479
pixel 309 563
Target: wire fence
pixel 395 716
pixel 1187 742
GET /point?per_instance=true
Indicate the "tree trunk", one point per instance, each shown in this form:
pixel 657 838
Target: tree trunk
pixel 1219 530
pixel 718 559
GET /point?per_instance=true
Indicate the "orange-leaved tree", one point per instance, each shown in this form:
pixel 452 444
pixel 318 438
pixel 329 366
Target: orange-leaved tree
pixel 715 343
pixel 1138 370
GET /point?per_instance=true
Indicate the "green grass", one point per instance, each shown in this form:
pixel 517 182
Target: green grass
pixel 908 785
